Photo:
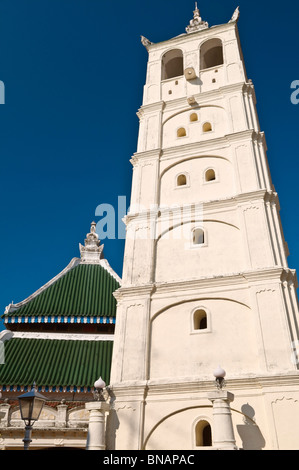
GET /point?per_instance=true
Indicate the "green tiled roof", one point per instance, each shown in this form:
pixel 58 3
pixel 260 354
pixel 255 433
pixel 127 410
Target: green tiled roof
pixel 55 363
pixel 85 290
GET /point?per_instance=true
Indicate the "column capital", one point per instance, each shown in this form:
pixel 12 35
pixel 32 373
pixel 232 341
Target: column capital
pixel 221 395
pixel 97 406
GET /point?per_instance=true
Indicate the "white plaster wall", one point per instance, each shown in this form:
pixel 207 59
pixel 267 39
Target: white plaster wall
pixel 178 259
pixel 264 416
pixel 194 130
pixel 188 352
pixel 197 189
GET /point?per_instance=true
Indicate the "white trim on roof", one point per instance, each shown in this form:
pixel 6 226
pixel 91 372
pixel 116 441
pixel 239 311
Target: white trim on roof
pixel 62 336
pixel 12 307
pixel 74 263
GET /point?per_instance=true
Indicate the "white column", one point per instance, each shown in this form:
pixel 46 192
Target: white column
pixel 222 432
pixel 96 428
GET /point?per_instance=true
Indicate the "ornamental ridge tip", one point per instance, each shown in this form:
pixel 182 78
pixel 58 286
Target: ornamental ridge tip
pixel 92 251
pixel 196 24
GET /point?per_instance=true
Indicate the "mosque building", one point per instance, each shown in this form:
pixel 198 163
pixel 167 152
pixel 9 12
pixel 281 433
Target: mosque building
pixel 206 288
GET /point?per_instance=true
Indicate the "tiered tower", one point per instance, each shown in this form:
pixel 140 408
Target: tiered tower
pixel 205 278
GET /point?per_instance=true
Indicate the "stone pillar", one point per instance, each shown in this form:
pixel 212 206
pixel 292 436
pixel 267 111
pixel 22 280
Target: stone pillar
pixel 4 414
pixel 61 421
pixel 96 436
pixel 223 432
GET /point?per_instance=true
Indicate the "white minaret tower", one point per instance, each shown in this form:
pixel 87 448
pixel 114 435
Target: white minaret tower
pixel 205 279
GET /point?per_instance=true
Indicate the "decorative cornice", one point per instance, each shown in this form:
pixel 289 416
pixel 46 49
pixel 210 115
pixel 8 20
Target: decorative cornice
pixel 151 107
pixel 144 290
pixel 203 285
pixel 202 384
pixel 211 145
pixel 148 155
pixel 47 389
pixel 243 279
pixel 230 202
pixel 201 98
pixel 44 319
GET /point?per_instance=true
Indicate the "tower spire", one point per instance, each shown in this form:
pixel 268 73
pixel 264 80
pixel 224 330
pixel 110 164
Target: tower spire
pixel 196 24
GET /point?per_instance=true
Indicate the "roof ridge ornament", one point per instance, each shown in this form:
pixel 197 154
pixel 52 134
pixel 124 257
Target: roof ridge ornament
pixel 145 42
pixel 92 251
pixel 235 16
pixel 197 24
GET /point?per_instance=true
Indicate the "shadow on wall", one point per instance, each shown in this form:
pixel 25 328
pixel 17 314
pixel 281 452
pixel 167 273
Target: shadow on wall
pixel 249 432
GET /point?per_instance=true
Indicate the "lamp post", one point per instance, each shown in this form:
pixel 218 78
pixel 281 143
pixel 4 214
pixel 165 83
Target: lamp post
pixel 96 436
pixel 223 432
pixel 31 404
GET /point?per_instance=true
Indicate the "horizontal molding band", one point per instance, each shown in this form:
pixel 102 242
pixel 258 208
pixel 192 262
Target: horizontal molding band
pixel 59 319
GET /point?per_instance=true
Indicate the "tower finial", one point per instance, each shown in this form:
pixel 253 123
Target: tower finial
pixel 197 24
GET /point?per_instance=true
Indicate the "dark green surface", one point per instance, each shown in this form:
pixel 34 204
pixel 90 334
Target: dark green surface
pixel 86 290
pixel 55 363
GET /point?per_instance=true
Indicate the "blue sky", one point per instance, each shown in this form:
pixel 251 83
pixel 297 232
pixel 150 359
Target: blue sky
pixel 74 72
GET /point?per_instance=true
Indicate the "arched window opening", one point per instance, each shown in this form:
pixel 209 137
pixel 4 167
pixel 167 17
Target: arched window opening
pixel 211 54
pixel 207 127
pixel 198 236
pixel 172 64
pixel 210 175
pixel 181 132
pixel 200 320
pixel 193 117
pixel 181 180
pixel 203 434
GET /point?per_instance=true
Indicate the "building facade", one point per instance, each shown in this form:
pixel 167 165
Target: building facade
pixel 205 280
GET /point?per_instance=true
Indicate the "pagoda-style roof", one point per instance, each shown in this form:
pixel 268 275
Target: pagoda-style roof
pixel 55 364
pixel 63 357
pixel 81 293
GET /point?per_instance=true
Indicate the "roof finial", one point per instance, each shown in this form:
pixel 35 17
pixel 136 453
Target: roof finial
pixel 235 16
pixel 91 252
pixel 196 13
pixel 146 42
pixel 197 24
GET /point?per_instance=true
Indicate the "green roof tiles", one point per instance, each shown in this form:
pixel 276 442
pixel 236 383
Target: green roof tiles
pixel 55 363
pixel 86 290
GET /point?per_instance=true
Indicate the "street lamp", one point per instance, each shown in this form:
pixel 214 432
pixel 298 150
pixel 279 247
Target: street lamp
pixel 31 404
